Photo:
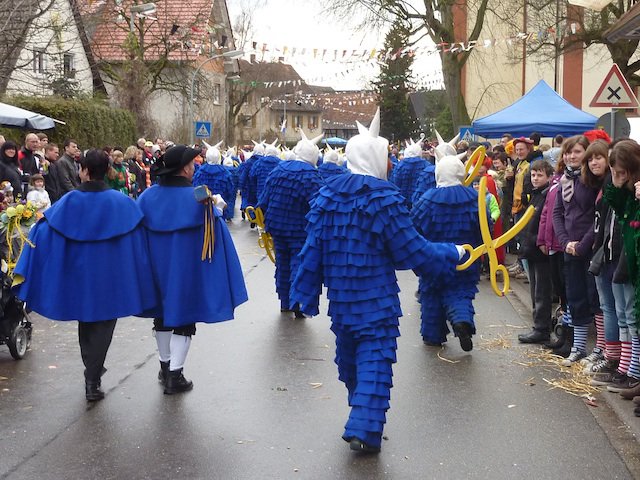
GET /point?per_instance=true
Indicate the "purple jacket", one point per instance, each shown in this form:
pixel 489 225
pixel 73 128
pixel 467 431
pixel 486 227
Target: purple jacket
pixel 573 221
pixel 546 233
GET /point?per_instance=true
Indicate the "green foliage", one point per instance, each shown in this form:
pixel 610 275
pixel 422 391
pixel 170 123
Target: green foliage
pixel 393 86
pixel 437 115
pixel 92 123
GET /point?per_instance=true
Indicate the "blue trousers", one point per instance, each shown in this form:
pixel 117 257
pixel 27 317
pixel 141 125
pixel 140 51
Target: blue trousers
pixel 438 307
pixel 287 263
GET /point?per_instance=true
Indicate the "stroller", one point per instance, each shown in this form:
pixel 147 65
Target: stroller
pixel 15 325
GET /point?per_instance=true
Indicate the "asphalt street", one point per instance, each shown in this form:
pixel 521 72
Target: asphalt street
pixel 267 403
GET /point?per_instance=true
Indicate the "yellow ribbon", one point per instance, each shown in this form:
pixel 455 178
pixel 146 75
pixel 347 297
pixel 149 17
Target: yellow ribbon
pixel 208 243
pixel 13 226
pixel 265 241
pixel 490 244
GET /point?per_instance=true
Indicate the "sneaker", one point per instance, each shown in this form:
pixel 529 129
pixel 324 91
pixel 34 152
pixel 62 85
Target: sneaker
pixel 603 366
pixel 593 357
pixel 574 357
pixel 624 383
pixel 607 378
pixel 516 271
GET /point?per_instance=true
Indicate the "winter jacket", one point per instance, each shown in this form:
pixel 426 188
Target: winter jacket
pixel 529 236
pixel 546 233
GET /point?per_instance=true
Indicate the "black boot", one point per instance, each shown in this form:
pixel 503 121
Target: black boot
pixel 558 337
pixel 565 349
pixel 164 371
pixel 92 391
pixel 463 332
pixel 176 383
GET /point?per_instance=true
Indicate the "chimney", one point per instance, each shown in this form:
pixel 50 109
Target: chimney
pixel 281 59
pixel 252 58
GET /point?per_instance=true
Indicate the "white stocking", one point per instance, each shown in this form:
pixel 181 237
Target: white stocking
pixel 163 340
pixel 179 349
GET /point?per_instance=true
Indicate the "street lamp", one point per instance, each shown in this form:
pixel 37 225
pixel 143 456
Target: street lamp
pixel 145 8
pixel 229 54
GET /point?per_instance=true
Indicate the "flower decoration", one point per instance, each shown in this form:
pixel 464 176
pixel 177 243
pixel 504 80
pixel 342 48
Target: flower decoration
pixel 15 222
pixel 634 224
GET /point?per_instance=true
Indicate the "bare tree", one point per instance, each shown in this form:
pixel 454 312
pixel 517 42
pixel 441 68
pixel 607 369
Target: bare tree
pixel 430 18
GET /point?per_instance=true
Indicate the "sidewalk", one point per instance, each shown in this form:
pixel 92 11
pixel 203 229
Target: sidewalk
pixel 520 298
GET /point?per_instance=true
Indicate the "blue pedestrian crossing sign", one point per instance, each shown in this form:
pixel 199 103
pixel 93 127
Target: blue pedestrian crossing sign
pixel 203 129
pixel 466 133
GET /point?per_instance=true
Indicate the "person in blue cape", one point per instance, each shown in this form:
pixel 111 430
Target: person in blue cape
pixel 405 175
pixel 359 232
pixel 263 166
pixel 330 166
pixel 449 213
pixel 87 260
pixel 285 202
pixel 191 286
pixel 217 179
pixel 231 167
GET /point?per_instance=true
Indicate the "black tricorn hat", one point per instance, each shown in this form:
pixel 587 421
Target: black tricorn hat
pixel 175 158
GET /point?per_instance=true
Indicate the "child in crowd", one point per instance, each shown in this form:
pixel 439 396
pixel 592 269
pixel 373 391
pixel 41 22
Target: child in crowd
pixel 624 161
pixel 539 264
pixel 573 216
pixel 38 195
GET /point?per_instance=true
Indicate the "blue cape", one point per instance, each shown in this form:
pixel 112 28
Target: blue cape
pixel 220 181
pixel 191 290
pixel 90 261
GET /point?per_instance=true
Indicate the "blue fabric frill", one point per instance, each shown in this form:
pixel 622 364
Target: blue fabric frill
pixel 175 226
pixel 219 181
pixel 405 176
pixel 247 188
pixel 426 181
pixel 89 261
pixel 329 169
pixel 260 172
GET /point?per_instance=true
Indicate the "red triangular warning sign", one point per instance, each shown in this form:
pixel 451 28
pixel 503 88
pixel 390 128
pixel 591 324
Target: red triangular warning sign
pixel 614 92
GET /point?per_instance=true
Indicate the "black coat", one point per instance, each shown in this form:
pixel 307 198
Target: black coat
pixel 530 249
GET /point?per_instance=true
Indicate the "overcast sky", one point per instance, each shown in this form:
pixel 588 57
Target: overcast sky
pixel 301 24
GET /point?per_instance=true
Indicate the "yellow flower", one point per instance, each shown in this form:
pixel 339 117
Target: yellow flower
pixel 20 209
pixel 27 214
pixel 11 212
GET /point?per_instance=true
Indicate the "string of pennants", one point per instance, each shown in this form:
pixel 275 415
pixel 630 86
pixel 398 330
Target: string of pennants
pixel 352 55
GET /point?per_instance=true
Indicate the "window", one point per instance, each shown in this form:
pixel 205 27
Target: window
pixel 297 121
pixel 39 61
pixel 248 121
pixel 313 122
pixel 216 94
pixel 69 65
pixel 279 120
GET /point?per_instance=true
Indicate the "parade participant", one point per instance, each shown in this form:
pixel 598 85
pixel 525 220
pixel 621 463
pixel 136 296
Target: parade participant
pixel 38 195
pixel 538 259
pixel 263 166
pixel 285 203
pixel 573 217
pixel 191 288
pixel 405 175
pixel 66 270
pixel 359 233
pixel 217 179
pixel 246 182
pixel 427 178
pixel 449 213
pixel 232 167
pixel 330 166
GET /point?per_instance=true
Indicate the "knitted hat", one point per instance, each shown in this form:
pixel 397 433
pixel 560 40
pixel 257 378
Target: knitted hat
pixel 367 152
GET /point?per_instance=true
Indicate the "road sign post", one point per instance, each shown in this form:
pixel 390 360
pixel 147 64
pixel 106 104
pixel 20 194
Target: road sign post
pixel 203 129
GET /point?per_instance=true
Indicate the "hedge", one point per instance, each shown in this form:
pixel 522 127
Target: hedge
pixel 90 122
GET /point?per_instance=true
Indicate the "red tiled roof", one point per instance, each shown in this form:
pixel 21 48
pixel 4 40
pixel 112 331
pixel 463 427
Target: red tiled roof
pixel 342 109
pixel 180 31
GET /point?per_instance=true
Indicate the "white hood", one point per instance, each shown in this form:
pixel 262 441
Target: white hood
pixel 367 152
pixel 307 150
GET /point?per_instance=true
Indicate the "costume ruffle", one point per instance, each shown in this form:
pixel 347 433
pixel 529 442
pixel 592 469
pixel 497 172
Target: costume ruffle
pixel 426 181
pixel 261 170
pixel 219 181
pixel 285 199
pixel 213 289
pixel 76 217
pixel 329 169
pixel 101 274
pixel 405 176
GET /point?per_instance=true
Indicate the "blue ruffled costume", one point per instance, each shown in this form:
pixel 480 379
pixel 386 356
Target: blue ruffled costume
pixel 90 261
pixel 448 214
pixel 191 290
pixel 359 232
pixel 405 176
pixel 247 187
pixel 260 172
pixel 426 181
pixel 219 181
pixel 285 203
pixel 329 169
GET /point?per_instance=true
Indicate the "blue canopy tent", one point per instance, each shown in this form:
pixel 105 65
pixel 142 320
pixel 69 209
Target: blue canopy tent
pixel 540 110
pixel 335 141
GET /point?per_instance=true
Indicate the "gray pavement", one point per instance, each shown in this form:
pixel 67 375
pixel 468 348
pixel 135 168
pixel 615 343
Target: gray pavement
pixel 267 404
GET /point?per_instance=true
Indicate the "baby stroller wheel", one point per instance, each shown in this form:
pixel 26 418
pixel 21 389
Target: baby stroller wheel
pixel 18 342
